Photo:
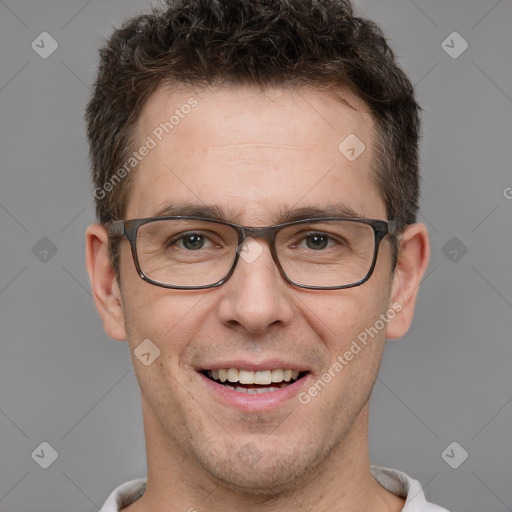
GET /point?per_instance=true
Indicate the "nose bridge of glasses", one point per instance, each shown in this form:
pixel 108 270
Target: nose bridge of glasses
pixel 250 247
pixel 264 233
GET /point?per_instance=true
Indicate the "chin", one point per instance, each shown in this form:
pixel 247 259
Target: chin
pixel 264 473
pixel 265 482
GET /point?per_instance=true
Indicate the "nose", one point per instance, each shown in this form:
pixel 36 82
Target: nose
pixel 256 297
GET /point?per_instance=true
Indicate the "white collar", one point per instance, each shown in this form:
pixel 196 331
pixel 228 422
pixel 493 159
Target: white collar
pixel 394 481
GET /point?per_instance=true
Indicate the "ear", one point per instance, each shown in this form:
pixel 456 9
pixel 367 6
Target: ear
pixel 413 258
pixel 105 290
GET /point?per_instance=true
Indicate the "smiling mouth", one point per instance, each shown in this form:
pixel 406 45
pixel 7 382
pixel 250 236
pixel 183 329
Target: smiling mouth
pixel 253 382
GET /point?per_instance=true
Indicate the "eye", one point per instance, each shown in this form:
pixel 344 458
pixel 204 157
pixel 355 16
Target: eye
pixel 191 242
pixel 317 241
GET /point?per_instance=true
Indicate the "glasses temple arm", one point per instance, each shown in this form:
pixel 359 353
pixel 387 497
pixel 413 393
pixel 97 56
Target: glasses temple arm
pixel 116 228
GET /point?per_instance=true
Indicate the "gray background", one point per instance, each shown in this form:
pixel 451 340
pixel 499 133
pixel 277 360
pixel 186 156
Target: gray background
pixel 64 382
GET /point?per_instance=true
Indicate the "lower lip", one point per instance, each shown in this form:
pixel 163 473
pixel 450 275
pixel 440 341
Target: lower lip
pixel 251 402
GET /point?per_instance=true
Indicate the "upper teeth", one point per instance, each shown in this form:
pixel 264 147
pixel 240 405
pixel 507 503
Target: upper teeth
pixel 250 377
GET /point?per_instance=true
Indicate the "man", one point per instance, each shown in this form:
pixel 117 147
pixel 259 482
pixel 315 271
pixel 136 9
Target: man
pixel 256 178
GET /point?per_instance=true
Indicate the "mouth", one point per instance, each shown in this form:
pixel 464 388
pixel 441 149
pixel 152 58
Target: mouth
pixel 254 382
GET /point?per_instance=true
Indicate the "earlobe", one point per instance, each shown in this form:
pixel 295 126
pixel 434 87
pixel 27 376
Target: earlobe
pixel 105 289
pixel 413 258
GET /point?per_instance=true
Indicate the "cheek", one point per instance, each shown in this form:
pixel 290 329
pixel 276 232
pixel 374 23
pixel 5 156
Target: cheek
pixel 351 345
pixel 153 312
pixel 161 316
pixel 170 322
pixel 338 318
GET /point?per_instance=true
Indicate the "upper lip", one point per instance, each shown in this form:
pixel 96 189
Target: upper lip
pixel 269 364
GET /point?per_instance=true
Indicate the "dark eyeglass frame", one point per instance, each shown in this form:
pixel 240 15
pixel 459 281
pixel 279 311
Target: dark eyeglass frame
pixel 129 229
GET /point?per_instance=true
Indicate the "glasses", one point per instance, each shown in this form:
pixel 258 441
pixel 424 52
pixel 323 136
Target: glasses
pixel 189 253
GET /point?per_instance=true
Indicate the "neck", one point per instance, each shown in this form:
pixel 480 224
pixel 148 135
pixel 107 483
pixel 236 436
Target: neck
pixel 340 482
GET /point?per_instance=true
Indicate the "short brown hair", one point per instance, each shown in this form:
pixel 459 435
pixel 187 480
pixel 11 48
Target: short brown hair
pixel 264 43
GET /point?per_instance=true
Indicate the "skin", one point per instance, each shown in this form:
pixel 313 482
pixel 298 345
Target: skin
pixel 254 154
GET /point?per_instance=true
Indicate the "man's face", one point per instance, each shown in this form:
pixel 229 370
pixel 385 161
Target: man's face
pixel 254 155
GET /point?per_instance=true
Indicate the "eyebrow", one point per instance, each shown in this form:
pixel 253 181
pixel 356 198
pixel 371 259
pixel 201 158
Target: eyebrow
pixel 282 215
pixel 314 212
pixel 197 210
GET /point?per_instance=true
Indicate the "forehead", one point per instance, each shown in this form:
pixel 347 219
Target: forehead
pixel 254 153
